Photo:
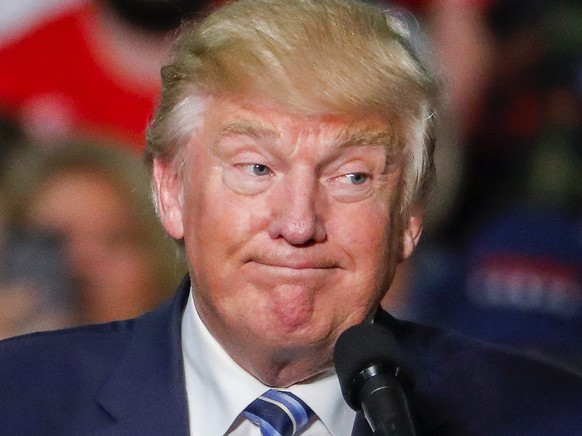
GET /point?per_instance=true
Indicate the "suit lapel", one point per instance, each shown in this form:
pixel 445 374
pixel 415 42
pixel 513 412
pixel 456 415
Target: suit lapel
pixel 146 394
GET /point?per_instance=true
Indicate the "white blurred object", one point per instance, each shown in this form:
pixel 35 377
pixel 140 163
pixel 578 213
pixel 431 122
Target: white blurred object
pixel 17 16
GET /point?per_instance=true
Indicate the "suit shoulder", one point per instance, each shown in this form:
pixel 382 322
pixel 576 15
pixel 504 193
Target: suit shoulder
pixel 80 352
pixel 60 382
pixel 75 338
pixel 480 388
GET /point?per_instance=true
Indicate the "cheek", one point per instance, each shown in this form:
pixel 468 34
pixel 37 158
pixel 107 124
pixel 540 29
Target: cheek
pixel 367 238
pixel 218 223
pixel 366 230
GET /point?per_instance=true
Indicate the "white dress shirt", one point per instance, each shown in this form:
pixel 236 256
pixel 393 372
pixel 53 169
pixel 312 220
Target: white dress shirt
pixel 218 389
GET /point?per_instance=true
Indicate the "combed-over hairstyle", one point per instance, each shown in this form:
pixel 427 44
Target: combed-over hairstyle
pixel 311 56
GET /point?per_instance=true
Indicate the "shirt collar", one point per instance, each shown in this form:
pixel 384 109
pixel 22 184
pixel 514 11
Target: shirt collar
pixel 218 389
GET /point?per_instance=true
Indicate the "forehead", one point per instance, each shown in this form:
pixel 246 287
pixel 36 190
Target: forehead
pixel 263 119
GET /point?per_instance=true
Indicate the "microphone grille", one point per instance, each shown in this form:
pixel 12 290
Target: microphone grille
pixel 359 347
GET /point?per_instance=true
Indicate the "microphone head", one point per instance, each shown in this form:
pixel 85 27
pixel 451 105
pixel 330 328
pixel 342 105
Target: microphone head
pixel 363 346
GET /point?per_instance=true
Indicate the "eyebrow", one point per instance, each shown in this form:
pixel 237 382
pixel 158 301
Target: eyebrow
pixel 247 128
pixel 387 139
pixel 368 137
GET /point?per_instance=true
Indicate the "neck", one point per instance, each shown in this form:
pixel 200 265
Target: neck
pixel 276 365
pixel 276 372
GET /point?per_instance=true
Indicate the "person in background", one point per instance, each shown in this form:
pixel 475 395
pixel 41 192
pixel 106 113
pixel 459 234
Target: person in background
pixel 93 200
pixel 34 285
pixel 460 44
pixel 508 270
pixel 291 158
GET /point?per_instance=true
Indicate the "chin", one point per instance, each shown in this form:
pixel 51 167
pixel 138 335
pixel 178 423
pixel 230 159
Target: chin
pixel 292 333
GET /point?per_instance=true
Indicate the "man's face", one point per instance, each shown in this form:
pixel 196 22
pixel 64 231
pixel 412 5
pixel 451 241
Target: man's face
pixel 291 224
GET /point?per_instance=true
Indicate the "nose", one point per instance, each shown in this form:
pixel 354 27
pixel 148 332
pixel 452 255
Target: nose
pixel 294 210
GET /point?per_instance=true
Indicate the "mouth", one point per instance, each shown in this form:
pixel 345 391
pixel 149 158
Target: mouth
pixel 292 269
pixel 294 263
pixel 296 266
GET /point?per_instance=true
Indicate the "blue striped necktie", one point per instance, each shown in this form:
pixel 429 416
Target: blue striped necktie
pixel 279 413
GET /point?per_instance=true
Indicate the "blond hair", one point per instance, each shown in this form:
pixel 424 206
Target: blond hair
pixel 312 57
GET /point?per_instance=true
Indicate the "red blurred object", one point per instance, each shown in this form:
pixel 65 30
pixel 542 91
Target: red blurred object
pixel 57 80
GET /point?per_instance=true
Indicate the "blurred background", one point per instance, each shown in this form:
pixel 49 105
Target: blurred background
pixel 501 254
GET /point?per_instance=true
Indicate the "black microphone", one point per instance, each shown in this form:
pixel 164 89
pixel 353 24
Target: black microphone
pixel 373 379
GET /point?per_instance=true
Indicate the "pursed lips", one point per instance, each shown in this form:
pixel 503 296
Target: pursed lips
pixel 294 262
pixel 290 266
pixel 291 273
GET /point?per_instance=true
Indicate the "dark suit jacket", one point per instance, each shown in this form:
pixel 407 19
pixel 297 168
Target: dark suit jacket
pixel 126 378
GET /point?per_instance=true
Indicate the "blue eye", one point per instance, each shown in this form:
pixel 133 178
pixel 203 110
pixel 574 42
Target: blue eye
pixel 357 178
pixel 259 169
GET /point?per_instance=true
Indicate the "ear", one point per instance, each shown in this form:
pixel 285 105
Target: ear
pixel 168 196
pixel 412 230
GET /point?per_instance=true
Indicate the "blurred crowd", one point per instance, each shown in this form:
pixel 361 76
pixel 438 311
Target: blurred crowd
pixel 501 254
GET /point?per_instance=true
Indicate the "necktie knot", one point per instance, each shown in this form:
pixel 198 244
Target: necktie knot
pixel 279 413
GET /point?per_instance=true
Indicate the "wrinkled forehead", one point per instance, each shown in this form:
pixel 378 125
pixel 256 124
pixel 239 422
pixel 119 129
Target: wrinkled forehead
pixel 264 119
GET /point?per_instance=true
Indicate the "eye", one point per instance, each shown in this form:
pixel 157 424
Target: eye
pixel 257 169
pixel 350 187
pixel 353 178
pixel 356 178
